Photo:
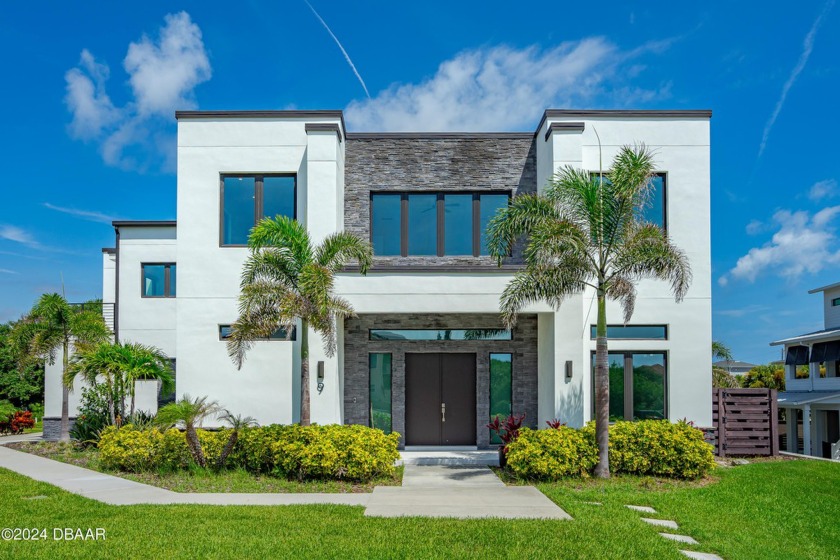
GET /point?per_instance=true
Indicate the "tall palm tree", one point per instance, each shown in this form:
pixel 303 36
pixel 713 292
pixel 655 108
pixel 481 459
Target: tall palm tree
pixel 54 323
pixel 121 366
pixel 286 279
pixel 190 413
pixel 585 232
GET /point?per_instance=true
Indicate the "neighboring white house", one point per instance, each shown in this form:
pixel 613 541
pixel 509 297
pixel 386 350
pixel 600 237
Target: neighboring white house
pixel 812 402
pixel 735 367
pixel 426 355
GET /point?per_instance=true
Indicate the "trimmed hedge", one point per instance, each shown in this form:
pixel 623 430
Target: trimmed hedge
pixel 645 447
pixel 351 452
pixel 551 454
pixel 333 452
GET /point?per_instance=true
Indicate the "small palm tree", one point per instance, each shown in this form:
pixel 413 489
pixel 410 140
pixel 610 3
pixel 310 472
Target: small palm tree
pixel 53 323
pixel 285 279
pixel 586 232
pixel 121 366
pixel 237 423
pixel 189 413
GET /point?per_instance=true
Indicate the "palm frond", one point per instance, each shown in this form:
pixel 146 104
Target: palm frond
pixel 282 232
pixel 532 285
pixel 647 253
pixel 339 249
pixel 623 290
pixel 518 219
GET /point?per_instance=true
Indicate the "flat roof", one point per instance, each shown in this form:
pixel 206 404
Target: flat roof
pixel 799 398
pixel 143 223
pixel 824 288
pixel 109 250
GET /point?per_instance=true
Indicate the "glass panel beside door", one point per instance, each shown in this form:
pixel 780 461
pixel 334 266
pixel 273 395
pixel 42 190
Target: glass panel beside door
pixel 501 389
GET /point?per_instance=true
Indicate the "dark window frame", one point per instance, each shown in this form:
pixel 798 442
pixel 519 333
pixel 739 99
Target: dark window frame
pixel 509 334
pixel 835 302
pixel 370 408
pixel 258 200
pixel 440 218
pixel 167 279
pixel 665 326
pixel 628 380
pixel 292 336
pixel 664 175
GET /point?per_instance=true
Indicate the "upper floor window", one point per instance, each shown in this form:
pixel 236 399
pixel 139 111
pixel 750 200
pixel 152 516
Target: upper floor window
pixel 279 334
pixel 633 332
pixel 246 199
pixel 158 280
pixel 835 302
pixel 654 211
pixel 433 224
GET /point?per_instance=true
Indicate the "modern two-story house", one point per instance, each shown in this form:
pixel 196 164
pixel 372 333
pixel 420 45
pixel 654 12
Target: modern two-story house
pixel 811 400
pixel 426 355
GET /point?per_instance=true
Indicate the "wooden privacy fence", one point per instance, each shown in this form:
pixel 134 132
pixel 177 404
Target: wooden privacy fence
pixel 746 422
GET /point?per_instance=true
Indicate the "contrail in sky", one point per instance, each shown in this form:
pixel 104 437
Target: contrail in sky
pixel 337 42
pixel 807 47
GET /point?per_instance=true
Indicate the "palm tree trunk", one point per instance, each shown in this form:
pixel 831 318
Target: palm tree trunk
pixel 305 414
pixel 602 390
pixel 65 395
pixel 133 389
pixel 234 436
pixel 195 446
pixel 111 407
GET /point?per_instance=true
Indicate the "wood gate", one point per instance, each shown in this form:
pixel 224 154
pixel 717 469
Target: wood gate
pixel 746 422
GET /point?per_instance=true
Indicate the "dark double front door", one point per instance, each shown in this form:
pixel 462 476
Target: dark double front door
pixel 440 399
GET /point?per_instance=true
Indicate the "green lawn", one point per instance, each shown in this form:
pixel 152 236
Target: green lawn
pixel 780 509
pixel 202 480
pixel 38 427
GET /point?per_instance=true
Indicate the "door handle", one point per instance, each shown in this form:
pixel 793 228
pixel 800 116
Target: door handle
pixel 443 412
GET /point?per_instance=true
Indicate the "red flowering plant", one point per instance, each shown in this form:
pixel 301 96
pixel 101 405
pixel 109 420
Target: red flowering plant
pixel 507 430
pixel 17 422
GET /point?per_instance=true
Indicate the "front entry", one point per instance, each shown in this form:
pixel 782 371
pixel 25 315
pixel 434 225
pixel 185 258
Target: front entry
pixel 440 399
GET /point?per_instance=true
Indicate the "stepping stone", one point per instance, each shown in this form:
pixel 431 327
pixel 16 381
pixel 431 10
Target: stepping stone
pixel 679 538
pixel 643 509
pixel 661 522
pixel 701 555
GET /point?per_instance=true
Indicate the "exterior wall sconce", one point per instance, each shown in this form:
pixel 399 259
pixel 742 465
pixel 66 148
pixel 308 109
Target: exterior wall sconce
pixel 320 376
pixel 569 370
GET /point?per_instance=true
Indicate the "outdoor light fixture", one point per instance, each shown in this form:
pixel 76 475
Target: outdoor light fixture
pixel 568 370
pixel 320 376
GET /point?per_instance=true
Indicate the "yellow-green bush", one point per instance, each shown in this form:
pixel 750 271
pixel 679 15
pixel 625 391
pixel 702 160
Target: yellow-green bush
pixel 551 454
pixel 253 451
pixel 658 448
pixel 350 452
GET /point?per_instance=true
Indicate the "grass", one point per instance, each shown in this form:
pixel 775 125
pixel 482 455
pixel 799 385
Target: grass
pixel 203 480
pixel 768 510
pixel 38 427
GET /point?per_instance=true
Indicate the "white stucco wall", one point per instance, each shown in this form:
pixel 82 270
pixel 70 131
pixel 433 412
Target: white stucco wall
pixel 831 313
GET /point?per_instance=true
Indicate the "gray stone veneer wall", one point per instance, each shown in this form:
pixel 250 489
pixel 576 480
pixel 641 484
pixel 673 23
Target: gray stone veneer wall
pixel 52 427
pixel 357 346
pixel 401 164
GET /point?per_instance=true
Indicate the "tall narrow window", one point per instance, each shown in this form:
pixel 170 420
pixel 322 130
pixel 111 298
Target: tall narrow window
pixel 379 368
pixel 422 224
pixel 490 205
pixel 458 224
pixel 248 198
pixel 157 280
pixel 501 384
pixel 654 210
pixel 386 210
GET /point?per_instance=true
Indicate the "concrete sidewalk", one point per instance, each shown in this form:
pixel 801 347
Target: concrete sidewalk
pixel 120 491
pixel 35 436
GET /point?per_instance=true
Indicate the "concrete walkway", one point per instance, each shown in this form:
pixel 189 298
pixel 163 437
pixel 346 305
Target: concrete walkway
pixel 427 491
pixel 36 436
pixel 462 492
pixel 120 491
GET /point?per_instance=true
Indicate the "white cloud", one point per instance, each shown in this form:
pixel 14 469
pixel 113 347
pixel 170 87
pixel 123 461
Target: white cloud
pixel 163 74
pixel 807 48
pixel 755 227
pixel 802 244
pixel 823 189
pixel 18 235
pixel 89 215
pixel 497 88
pixel 7 271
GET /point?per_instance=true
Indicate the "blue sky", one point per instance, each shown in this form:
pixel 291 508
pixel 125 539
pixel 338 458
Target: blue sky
pixel 91 91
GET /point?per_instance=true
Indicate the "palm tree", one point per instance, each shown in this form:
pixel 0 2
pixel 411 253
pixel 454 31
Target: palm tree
pixel 237 423
pixel 52 323
pixel 121 366
pixel 285 279
pixel 585 232
pixel 190 413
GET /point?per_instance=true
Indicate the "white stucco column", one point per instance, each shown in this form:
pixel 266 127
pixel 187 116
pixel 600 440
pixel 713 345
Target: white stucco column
pixel 806 428
pixel 790 426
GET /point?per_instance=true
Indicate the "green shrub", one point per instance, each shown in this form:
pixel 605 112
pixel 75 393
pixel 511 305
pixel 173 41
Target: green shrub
pixel 253 451
pixel 130 449
pixel 658 448
pixel 552 454
pixel 93 415
pixel 350 452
